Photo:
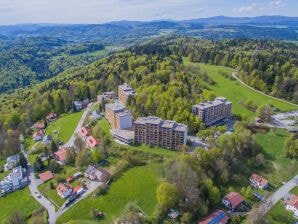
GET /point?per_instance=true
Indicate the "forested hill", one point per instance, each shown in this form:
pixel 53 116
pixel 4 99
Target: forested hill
pixel 155 69
pixel 25 62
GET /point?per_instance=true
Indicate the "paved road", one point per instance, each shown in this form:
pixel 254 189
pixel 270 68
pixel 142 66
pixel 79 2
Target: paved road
pixel 277 195
pixel 243 83
pixel 70 142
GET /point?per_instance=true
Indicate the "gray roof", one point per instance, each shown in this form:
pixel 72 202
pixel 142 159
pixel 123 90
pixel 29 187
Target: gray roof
pixel 148 120
pixel 116 107
pixel 127 90
pixel 13 159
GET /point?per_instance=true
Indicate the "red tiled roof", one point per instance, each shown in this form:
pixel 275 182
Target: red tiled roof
pixel 234 198
pixel 52 116
pixel 293 201
pixel 261 180
pixel 38 133
pixel 62 188
pixel 92 142
pixel 61 154
pixel 39 125
pixel 76 189
pixel 216 217
pixel 46 176
pixel 84 131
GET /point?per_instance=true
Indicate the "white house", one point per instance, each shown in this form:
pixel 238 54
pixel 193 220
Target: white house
pixel 292 205
pixel 64 190
pixel 258 181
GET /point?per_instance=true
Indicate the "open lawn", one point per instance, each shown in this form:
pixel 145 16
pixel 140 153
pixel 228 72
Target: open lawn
pixel 138 184
pixel 17 201
pixel 294 191
pixel 236 92
pixel 279 168
pixel 64 126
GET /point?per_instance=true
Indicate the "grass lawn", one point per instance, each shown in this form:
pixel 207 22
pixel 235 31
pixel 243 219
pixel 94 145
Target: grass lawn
pixel 64 125
pixel 235 91
pixel 279 167
pixel 294 191
pixel 278 215
pixel 32 158
pixel 138 184
pixel 17 201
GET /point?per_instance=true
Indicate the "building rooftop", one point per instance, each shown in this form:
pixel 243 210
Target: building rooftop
pixel 127 90
pixel 46 176
pixel 234 198
pixel 180 127
pixel 13 159
pixel 148 120
pixel 116 107
pixel 216 217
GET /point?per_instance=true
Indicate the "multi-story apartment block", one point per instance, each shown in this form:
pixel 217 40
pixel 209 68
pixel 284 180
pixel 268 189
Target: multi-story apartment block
pixel 156 132
pixel 124 91
pixel 211 112
pixel 118 116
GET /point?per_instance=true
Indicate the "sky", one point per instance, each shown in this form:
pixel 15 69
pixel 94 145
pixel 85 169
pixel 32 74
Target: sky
pixel 101 11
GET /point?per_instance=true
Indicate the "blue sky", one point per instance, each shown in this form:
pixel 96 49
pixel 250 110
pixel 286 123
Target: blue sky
pixel 100 11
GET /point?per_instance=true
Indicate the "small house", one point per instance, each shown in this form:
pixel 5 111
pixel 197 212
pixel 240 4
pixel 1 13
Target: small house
pixel 232 200
pixel 60 155
pixel 216 217
pixel 78 190
pixel 52 117
pixel 11 162
pixel 64 190
pixel 46 176
pixel 84 132
pixel 258 181
pixel 94 173
pixel 92 142
pixel 39 126
pixel 37 136
pixel 78 105
pixel 292 205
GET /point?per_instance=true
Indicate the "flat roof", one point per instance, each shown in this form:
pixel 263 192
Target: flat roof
pixel 126 134
pixel 116 106
pixel 148 120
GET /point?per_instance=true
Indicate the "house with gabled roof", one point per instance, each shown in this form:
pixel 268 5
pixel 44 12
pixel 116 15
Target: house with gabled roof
pixel 45 176
pixel 292 204
pixel 37 136
pixel 60 155
pixel 232 200
pixel 92 142
pixel 258 181
pixel 84 132
pixel 39 126
pixel 94 173
pixel 216 217
pixel 52 117
pixel 64 190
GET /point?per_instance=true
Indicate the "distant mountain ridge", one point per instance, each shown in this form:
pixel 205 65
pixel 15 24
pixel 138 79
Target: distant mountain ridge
pixel 218 27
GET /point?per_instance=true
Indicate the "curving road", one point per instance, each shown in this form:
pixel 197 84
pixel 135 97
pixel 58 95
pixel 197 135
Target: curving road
pixel 243 83
pixel 34 183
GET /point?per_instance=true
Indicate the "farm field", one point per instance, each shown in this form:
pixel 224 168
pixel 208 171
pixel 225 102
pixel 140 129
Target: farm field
pixel 137 185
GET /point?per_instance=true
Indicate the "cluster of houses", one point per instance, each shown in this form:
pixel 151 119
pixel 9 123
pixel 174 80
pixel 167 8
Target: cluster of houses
pixel 39 133
pixel 16 179
pixel 90 140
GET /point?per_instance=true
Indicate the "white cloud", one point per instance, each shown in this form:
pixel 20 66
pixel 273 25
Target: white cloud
pixel 244 9
pixel 258 7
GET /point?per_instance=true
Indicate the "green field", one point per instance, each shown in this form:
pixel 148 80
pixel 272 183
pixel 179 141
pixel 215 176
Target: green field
pixel 17 201
pixel 278 168
pixel 64 125
pixel 235 91
pixel 279 215
pixel 138 184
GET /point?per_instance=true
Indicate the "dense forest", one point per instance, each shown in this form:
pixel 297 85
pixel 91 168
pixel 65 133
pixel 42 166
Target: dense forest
pixel 25 62
pixel 155 69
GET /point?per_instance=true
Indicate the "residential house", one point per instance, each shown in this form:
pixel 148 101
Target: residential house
pixel 84 133
pixel 292 204
pixel 11 162
pixel 92 142
pixel 258 181
pixel 37 136
pixel 216 217
pixel 39 126
pixel 46 176
pixel 77 175
pixel 94 173
pixel 64 190
pixel 47 139
pixel 78 190
pixel 60 155
pixel 232 200
pixel 78 105
pixel 52 117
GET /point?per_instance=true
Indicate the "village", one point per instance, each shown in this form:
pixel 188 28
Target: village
pixel 126 130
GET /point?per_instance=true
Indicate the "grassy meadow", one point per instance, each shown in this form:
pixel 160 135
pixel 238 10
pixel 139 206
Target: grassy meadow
pixel 138 185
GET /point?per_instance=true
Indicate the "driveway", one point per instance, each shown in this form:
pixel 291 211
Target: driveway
pixel 70 142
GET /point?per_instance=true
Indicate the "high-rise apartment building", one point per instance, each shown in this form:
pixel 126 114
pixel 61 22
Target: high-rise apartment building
pixel 118 116
pixel 211 112
pixel 124 91
pixel 157 132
